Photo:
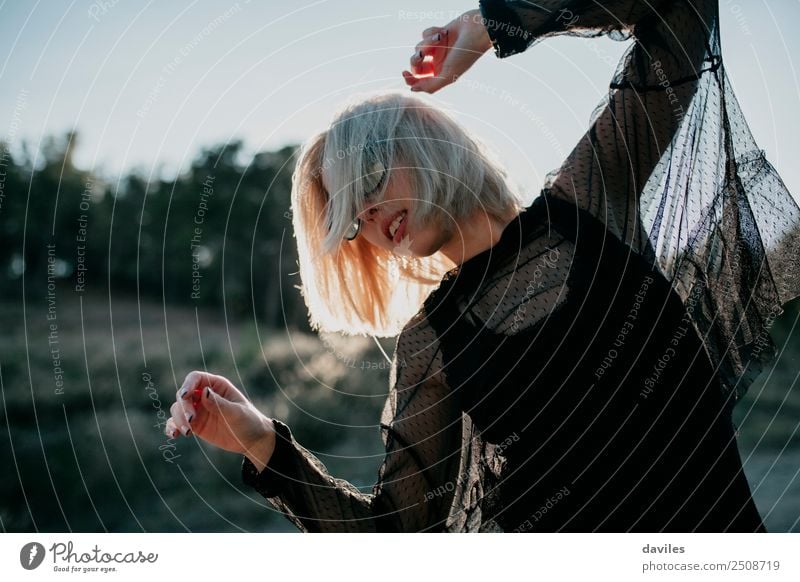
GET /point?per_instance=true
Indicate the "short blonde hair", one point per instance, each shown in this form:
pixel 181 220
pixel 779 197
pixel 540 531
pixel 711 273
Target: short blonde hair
pixel 357 288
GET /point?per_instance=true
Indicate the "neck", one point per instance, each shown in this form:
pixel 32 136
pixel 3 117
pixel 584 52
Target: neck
pixel 473 235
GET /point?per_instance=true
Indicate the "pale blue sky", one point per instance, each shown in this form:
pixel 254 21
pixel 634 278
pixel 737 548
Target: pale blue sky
pixel 272 73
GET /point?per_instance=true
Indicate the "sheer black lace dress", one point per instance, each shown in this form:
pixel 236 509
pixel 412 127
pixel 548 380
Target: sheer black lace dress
pixel 580 374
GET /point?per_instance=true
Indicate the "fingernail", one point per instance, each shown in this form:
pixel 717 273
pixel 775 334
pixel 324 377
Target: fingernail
pixel 182 393
pixel 420 56
pixel 185 430
pixel 437 37
pixel 188 432
pixel 191 416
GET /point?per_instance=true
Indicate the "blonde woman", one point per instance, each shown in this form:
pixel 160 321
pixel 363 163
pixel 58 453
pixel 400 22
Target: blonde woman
pixel 569 366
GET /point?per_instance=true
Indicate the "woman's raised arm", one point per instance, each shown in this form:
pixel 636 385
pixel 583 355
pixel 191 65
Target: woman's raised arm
pixel 652 120
pixel 447 52
pixel 670 167
pixel 648 98
pixel 514 26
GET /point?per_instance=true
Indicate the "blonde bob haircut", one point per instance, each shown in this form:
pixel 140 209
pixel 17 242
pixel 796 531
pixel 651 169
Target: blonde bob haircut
pixel 354 287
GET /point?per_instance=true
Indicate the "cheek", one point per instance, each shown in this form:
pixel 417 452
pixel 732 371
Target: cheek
pixel 427 241
pixel 370 232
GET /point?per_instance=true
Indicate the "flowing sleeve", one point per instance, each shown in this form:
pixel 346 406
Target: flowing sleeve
pixel 422 428
pixel 669 165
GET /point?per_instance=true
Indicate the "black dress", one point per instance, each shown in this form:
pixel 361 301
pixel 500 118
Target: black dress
pixel 580 374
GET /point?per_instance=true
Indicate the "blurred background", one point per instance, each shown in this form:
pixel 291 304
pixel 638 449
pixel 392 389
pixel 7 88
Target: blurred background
pixel 146 153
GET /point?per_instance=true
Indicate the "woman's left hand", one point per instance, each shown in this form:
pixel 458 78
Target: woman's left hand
pixel 445 53
pixel 212 408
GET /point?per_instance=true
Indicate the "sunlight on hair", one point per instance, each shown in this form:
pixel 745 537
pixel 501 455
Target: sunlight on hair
pixel 357 288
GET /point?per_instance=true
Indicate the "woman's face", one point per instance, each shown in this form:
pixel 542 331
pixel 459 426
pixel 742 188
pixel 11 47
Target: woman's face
pixel 384 224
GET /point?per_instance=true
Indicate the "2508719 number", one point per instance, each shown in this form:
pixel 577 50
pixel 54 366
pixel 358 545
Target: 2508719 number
pixel 755 565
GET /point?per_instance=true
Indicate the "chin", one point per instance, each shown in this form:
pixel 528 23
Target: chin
pixel 420 244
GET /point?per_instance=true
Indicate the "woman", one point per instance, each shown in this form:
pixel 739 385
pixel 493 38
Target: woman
pixel 570 366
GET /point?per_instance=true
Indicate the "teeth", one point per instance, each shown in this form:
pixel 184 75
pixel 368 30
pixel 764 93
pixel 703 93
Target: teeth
pixel 396 224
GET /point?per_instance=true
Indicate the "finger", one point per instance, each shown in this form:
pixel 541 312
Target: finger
pixel 197 380
pixel 424 66
pixel 409 78
pixel 188 411
pixel 425 46
pixel 426 58
pixel 179 418
pixel 416 62
pixel 192 381
pixel 423 71
pixel 194 396
pixel 430 31
pixel 170 429
pixel 215 403
pixel 431 84
pixel 211 400
pixel 430 42
pixel 413 81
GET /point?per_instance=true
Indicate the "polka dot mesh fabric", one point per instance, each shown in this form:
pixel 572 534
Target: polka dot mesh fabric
pixel 670 169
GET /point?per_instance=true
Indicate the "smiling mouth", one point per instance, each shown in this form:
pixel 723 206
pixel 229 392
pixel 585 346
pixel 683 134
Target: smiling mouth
pixel 392 227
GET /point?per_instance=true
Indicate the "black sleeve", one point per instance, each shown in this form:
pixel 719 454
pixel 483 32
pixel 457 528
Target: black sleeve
pixel 514 26
pixel 421 428
pixel 649 97
pixel 669 165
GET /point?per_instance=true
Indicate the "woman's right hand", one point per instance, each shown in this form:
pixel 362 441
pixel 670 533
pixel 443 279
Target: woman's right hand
pixel 449 50
pixel 212 408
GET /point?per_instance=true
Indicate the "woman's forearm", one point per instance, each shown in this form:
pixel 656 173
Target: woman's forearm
pixel 261 451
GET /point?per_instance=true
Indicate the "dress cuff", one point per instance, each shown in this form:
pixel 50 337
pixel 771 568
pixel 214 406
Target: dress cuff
pixel 271 480
pixel 505 29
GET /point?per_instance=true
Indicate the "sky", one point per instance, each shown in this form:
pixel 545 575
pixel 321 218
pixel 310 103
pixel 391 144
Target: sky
pixel 148 84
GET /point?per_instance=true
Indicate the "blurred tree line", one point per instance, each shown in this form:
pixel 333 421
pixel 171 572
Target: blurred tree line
pixel 91 455
pixel 218 234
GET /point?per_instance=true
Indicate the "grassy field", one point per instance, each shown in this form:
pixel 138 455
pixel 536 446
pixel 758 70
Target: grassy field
pixel 92 456
pixel 86 451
